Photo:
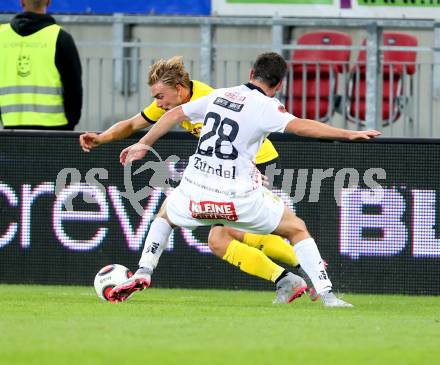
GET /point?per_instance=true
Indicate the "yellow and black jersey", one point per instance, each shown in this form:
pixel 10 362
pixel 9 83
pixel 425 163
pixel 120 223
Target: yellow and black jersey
pixel 152 114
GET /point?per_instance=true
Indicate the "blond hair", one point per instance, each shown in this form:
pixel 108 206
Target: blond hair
pixel 170 72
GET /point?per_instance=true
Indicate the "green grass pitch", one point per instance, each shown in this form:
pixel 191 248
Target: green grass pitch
pixel 69 325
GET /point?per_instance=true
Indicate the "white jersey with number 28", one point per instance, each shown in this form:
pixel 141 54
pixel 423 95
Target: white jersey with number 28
pixel 236 122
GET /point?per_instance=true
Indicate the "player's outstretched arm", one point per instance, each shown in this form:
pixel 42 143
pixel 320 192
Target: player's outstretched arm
pixel 120 130
pixel 167 122
pixel 315 129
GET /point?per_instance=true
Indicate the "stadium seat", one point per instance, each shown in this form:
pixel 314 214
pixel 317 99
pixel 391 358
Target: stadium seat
pixel 395 68
pixel 313 75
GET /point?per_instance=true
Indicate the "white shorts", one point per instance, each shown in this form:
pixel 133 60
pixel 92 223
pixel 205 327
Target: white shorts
pixel 190 206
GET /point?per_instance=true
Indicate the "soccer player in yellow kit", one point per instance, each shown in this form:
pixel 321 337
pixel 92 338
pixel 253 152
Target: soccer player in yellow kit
pixel 170 87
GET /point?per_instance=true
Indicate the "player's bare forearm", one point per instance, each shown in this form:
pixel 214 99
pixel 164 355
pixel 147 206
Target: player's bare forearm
pixel 312 128
pixel 315 129
pixel 123 129
pixel 167 122
pixel 160 128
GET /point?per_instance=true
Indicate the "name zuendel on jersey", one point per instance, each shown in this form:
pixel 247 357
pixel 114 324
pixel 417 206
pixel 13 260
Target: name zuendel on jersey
pixel 203 166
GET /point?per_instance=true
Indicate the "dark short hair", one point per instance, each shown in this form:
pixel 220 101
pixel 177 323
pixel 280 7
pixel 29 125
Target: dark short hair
pixel 270 68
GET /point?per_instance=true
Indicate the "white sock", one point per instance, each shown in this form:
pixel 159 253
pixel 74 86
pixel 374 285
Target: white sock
pixel 310 260
pixel 155 243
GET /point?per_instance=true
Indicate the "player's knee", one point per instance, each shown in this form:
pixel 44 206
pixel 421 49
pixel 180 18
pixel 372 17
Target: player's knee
pixel 218 242
pixel 162 211
pixel 298 231
pixel 163 214
pixel 299 225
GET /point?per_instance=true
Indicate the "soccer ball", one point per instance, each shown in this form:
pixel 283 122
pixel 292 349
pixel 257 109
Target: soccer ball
pixel 109 277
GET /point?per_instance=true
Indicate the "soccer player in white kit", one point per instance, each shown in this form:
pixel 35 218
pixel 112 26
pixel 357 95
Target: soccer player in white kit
pixel 221 185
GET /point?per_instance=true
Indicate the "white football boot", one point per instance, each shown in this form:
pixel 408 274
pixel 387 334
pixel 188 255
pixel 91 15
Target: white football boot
pixel 289 288
pixel 139 281
pixel 330 300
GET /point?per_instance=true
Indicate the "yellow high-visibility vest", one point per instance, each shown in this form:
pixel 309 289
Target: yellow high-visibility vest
pixel 30 84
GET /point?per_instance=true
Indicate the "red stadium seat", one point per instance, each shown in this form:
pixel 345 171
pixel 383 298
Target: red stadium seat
pixel 395 67
pixel 313 74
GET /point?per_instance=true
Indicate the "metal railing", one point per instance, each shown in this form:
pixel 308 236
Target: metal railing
pixel 405 101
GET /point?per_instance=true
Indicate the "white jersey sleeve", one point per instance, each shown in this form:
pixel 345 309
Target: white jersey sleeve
pixel 196 109
pixel 275 117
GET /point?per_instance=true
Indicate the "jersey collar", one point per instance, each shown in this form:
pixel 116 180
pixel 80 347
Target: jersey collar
pixel 255 87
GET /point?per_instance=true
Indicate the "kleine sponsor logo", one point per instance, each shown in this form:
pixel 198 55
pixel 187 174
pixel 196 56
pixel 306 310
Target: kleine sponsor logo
pixel 213 210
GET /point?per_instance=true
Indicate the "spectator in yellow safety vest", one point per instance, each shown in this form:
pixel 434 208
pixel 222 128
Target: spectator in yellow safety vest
pixel 40 72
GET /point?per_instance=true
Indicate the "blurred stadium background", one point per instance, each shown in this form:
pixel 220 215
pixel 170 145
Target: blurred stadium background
pixel 354 64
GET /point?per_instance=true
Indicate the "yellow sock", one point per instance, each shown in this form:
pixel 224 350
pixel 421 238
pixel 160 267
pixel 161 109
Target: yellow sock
pixel 252 261
pixel 273 246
